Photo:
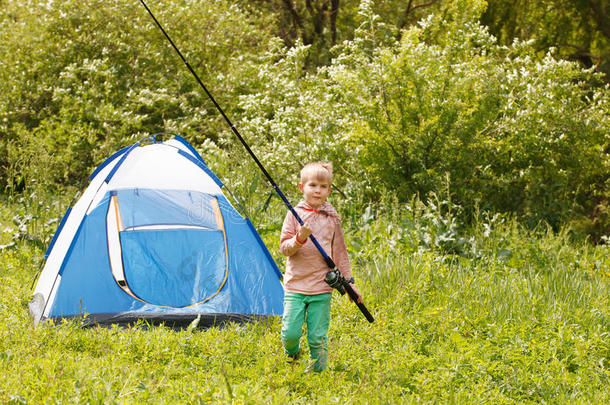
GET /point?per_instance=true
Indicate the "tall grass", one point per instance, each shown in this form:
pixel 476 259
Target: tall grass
pixel 492 313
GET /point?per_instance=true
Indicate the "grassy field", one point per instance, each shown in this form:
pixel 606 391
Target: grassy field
pixel 498 314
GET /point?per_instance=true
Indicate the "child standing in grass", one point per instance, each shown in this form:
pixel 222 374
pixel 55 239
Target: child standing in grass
pixel 307 296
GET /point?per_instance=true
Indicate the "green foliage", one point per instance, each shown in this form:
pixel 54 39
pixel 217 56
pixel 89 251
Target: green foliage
pixel 579 29
pixel 80 79
pixel 322 24
pixel 436 108
pixel 512 132
pixel 34 220
pixel 526 319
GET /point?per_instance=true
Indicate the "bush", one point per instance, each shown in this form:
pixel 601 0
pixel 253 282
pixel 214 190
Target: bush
pixel 502 128
pixel 507 130
pixel 81 79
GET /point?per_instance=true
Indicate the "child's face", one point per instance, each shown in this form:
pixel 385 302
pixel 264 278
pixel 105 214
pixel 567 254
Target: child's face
pixel 315 191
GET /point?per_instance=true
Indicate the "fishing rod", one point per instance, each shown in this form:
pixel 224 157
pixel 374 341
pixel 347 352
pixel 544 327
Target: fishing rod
pixel 333 277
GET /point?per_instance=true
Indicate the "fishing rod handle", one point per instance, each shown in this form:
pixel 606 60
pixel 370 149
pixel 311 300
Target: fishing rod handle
pixel 352 294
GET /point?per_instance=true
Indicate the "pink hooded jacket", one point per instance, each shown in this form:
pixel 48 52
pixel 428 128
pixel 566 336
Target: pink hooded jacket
pixel 305 266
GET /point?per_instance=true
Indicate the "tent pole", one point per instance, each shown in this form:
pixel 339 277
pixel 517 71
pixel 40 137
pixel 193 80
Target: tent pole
pixel 329 262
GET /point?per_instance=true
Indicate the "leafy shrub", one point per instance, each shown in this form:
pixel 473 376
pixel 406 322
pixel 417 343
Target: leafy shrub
pixel 81 79
pixel 514 132
pixel 505 129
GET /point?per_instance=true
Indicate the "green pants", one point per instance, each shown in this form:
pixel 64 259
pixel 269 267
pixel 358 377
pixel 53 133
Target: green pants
pixel 315 310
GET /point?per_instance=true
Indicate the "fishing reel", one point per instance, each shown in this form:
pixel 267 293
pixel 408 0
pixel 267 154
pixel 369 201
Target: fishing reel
pixel 335 279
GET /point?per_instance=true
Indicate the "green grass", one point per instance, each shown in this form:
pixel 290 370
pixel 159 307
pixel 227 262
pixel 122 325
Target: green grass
pixel 524 317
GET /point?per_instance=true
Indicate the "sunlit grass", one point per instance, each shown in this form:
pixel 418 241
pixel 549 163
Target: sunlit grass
pixel 525 318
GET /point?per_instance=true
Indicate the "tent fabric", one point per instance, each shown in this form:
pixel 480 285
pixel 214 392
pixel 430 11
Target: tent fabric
pixel 153 237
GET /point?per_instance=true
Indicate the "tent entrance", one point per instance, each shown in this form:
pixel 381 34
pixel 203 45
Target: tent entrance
pixel 167 248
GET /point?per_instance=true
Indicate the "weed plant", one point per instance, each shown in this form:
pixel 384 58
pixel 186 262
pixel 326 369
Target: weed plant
pixel 491 313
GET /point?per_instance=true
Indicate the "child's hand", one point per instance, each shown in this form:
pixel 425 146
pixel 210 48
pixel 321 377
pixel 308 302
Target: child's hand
pixel 304 232
pixel 357 293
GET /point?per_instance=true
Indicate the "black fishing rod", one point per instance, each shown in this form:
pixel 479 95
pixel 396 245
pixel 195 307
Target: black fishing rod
pixel 333 277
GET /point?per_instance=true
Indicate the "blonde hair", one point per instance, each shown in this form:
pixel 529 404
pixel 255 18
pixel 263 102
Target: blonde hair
pixel 321 171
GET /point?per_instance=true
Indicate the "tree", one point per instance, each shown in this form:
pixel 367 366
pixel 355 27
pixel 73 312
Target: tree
pixel 317 23
pixel 322 24
pixel 579 29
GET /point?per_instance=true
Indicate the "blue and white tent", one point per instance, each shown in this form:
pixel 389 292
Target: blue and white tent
pixel 153 237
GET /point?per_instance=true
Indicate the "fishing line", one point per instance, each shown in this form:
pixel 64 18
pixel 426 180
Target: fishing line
pixel 329 262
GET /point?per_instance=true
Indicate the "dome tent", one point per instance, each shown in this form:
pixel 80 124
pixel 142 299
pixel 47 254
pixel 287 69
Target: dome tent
pixel 153 237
